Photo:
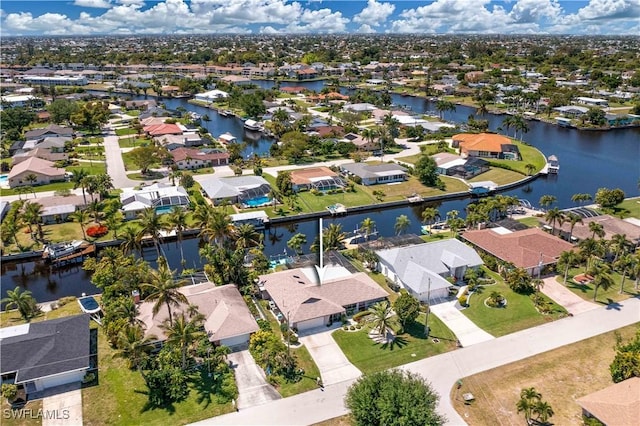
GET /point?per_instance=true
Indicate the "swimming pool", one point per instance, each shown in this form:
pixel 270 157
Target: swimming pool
pixel 163 209
pixel 257 202
pixel 4 179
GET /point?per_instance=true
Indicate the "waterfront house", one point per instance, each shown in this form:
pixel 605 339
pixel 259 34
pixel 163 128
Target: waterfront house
pixel 485 145
pixel 160 196
pixel 44 171
pixel 319 178
pixel 617 404
pixel 423 269
pixel 50 130
pixel 257 218
pixel 46 354
pixel 529 249
pixel 307 303
pixel 227 319
pixel 374 174
pixel 155 130
pixel 611 226
pixel 42 153
pixel 56 209
pixel 454 165
pixel 187 139
pixel 594 102
pixel 188 159
pixel 15 101
pixel 211 95
pixel 235 189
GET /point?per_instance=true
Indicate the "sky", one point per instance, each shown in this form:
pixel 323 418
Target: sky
pixel 122 17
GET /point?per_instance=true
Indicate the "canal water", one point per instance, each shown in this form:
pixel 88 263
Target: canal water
pixel 588 161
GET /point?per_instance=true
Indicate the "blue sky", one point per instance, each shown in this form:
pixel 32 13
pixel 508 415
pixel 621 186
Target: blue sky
pixel 86 17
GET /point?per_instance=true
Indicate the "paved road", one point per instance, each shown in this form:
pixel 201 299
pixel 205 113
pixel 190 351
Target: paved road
pixel 115 164
pixel 331 361
pixel 445 369
pixel 252 384
pixel 465 330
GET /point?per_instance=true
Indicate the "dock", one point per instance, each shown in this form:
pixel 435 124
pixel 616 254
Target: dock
pixel 89 250
pixel 337 209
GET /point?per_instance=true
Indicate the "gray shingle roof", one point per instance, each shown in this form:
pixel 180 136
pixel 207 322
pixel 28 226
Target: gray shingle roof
pixel 231 186
pixel 370 171
pixel 50 347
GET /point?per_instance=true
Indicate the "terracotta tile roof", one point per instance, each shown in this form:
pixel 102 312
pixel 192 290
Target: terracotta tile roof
pixel 163 129
pixel 180 154
pixel 481 142
pixel 304 176
pixel 618 404
pixel 36 165
pixel 611 225
pixel 522 248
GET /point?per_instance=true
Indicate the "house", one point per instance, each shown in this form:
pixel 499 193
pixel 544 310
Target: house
pixel 529 249
pixel 258 219
pixel 422 269
pixel 236 79
pixel 160 196
pixel 43 170
pixel 454 165
pixel 361 107
pixel 163 129
pixel 42 153
pixel 374 174
pixel 188 159
pixel 319 178
pixel 362 143
pixel 56 209
pixel 235 189
pixel 50 130
pixel 227 319
pixel 172 142
pixel 486 145
pixel 46 354
pixel 308 304
pixel 592 101
pixel 571 110
pixel 615 405
pixel 15 101
pixel 211 95
pixel 611 226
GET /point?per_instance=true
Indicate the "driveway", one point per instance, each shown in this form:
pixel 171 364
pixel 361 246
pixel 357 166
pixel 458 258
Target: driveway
pixel 115 164
pixel 465 330
pixel 63 409
pixel 333 364
pixel 564 297
pixel 252 384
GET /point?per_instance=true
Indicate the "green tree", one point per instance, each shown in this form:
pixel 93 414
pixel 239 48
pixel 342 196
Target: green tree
pixel 529 397
pixel 407 307
pixel 402 224
pixel 595 116
pixel 392 398
pixel 284 184
pixel 547 200
pixel 602 278
pixel 597 230
pixel 443 106
pixel 382 314
pixel 146 156
pixel 14 120
pixel 296 242
pixel 79 180
pixel 187 181
pixel 519 281
pixel 429 214
pixel 151 224
pixel 82 217
pixel 609 198
pixel 134 346
pixel 23 301
pixel 162 289
pixel 567 260
pixel 367 226
pixel 183 333
pixel 177 221
pixel 626 363
pixel 62 109
pixel 426 171
pixel 246 236
pixel 552 217
pixel 32 214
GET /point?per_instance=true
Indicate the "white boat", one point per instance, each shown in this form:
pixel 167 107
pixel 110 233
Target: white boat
pixel 56 251
pixel 227 138
pixel 253 125
pixel 552 164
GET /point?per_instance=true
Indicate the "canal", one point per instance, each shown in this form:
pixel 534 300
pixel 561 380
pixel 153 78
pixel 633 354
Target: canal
pixel 588 161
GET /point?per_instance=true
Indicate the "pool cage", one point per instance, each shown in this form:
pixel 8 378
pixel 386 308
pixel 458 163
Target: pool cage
pixel 173 200
pixel 328 184
pixel 247 194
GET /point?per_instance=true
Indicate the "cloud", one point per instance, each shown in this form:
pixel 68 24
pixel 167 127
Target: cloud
pixel 365 29
pixel 319 21
pixel 528 11
pixel 374 14
pixel 98 4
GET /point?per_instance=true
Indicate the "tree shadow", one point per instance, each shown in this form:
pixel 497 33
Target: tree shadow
pixel 583 288
pixel 399 342
pixel 169 408
pixel 613 305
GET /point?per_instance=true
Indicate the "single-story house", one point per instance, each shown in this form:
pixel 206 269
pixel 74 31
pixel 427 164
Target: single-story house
pixel 422 269
pixel 172 142
pixel 615 405
pixel 50 130
pixel 211 95
pixel 320 178
pixel 486 145
pixel 46 354
pixel 235 189
pixel 592 101
pixel 455 165
pixel 42 153
pixel 611 226
pixel 374 174
pixel 163 129
pixel 529 249
pixel 571 110
pixel 187 158
pixel 361 143
pixel 236 79
pixel 161 196
pixel 44 171
pixel 309 304
pixel 227 319
pixel 361 107
pixel 56 209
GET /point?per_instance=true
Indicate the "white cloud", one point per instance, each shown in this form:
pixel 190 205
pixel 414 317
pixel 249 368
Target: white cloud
pixel 98 4
pixel 527 11
pixel 365 29
pixel 249 11
pixel 319 21
pixel 374 14
pixel 268 30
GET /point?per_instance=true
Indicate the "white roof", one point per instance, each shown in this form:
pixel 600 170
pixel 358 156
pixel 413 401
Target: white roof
pixel 483 184
pixel 260 214
pixel 456 162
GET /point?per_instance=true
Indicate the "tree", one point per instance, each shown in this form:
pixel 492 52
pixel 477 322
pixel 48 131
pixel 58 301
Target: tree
pixel 177 221
pixel 581 198
pixel 626 363
pixel 79 180
pixel 134 346
pixel 183 332
pixel 595 116
pixel 392 398
pixel 519 281
pixel 597 230
pixel 296 242
pixel 426 171
pixel 407 307
pixel 146 156
pixel 332 238
pixel 31 178
pixel 62 109
pixel 186 180
pixel 21 300
pixel 14 120
pixel 573 220
pixel 150 224
pixel 601 278
pixel 547 200
pixel 367 226
pixel 246 236
pixel 283 183
pixel 429 215
pixel 91 115
pixel 530 168
pixel 529 397
pixel 567 260
pixel 609 198
pixel 381 313
pixel 624 264
pixel 163 289
pixel 443 106
pixel 402 224
pixel 82 217
pixel 113 222
pixel 552 217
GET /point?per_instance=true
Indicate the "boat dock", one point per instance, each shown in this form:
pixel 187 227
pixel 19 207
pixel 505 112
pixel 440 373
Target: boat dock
pixel 89 250
pixel 337 209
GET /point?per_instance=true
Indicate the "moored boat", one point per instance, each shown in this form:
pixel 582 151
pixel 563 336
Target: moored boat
pixel 227 138
pixel 253 125
pixel 552 164
pixel 56 251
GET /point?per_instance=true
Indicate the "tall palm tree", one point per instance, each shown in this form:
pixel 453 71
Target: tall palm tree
pixel 218 226
pixel 95 210
pixel 528 399
pixel 183 333
pixel 566 260
pixel 544 412
pixel 333 237
pixel 177 221
pixel 443 106
pixel 82 217
pixel 130 238
pixel 597 230
pixel 620 245
pixel 367 226
pixel 127 309
pixel 113 222
pixel 590 248
pixel 547 200
pixel 163 289
pixel 296 242
pixel 246 236
pixel 573 219
pixel 31 178
pixel 429 215
pixel 624 264
pixel 552 217
pixel 79 181
pixel 134 346
pixel 382 314
pixel 402 224
pixel 530 168
pixel 151 224
pixel 602 278
pixel 23 301
pixel 33 216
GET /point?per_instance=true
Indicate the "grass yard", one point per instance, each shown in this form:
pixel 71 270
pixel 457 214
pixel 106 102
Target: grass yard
pixel 499 176
pixel 133 142
pixel 530 155
pixel 93 168
pixel 411 159
pixel 520 312
pixel 370 356
pixel 28 414
pixel 313 203
pixel 129 164
pixel 628 208
pixel 394 192
pixel 120 397
pixel 531 221
pixel 41 188
pixel 11 318
pixel 125 131
pixel 561 376
pixel 605 297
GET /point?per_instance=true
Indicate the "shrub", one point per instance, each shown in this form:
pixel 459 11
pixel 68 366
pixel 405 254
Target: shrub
pixel 462 300
pixel 64 300
pixel 88 378
pixel 9 391
pixel 360 316
pixel 358 326
pixel 97 231
pixel 345 327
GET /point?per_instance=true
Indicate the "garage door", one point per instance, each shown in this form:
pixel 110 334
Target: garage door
pixel 61 379
pixel 312 323
pixel 235 341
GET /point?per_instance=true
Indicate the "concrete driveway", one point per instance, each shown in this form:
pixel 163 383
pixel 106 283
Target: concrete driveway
pixel 465 330
pixel 333 364
pixel 115 164
pixel 573 303
pixel 63 409
pixel 253 388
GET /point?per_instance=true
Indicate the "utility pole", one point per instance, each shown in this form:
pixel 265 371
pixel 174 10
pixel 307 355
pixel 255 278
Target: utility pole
pixel 426 320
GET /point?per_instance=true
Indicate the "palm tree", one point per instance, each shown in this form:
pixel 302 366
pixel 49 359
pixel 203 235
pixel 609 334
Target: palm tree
pixel 131 240
pixel 333 237
pixel 246 236
pixel 581 198
pixel 507 123
pixel 429 215
pixel 183 332
pixel 402 224
pixel 597 230
pixel 619 245
pixel 23 301
pixel 528 399
pixel 382 314
pixel 31 178
pixel 537 284
pixel 95 210
pixel 177 221
pixel 601 273
pixel 127 309
pixel 624 264
pixel 547 200
pixel 78 180
pixel 151 224
pixel 367 226
pixel 134 346
pixel 296 242
pixel 218 225
pixel 573 219
pixel 33 216
pixel 442 106
pixel 590 248
pixel 635 269
pixel 552 217
pixel 163 289
pixel 566 260
pixel 113 222
pixel 544 412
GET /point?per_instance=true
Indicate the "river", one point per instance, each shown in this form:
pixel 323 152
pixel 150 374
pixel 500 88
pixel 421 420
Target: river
pixel 588 160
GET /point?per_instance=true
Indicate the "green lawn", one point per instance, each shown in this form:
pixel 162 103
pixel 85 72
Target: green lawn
pixel 93 168
pixel 370 356
pixel 531 221
pixel 499 176
pixel 395 192
pixel 129 164
pixel 313 203
pixel 41 188
pixel 520 312
pixel 126 131
pixel 411 159
pixel 628 208
pixel 604 296
pixel 133 142
pixel 11 318
pixel 530 155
